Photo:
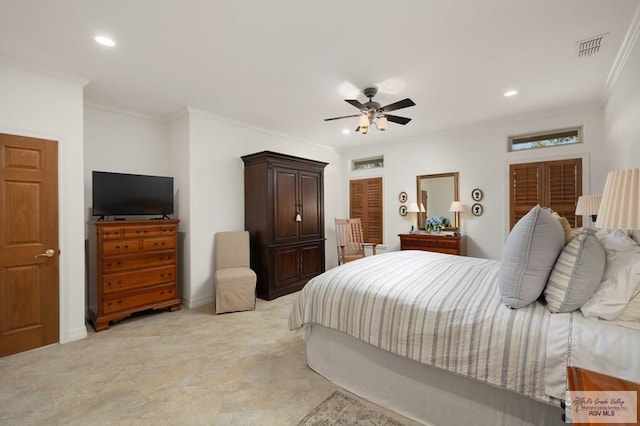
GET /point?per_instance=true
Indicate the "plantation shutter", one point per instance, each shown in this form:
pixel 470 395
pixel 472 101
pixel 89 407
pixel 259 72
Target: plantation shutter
pixel 365 202
pixel 554 184
pixel 526 189
pixel 563 187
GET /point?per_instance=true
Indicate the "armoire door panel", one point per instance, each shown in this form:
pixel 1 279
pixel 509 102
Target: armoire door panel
pixel 312 260
pixel 285 205
pixel 286 266
pixel 311 226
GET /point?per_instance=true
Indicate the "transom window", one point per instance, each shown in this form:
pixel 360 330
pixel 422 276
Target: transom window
pixel 546 139
pixel 367 163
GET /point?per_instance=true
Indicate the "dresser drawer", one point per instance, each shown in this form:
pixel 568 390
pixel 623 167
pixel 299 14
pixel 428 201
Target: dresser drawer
pixel 111 233
pixel 119 302
pixel 146 231
pixel 110 248
pixel 118 264
pixel 168 231
pixel 153 244
pixel 438 243
pixel 145 278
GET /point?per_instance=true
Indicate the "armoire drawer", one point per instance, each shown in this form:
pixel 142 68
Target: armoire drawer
pixel 144 278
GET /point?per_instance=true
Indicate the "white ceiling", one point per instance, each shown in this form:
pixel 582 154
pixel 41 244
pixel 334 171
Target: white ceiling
pixel 285 65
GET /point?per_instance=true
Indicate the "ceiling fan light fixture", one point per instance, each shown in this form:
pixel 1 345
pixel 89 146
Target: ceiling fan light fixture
pixel 364 121
pixel 383 124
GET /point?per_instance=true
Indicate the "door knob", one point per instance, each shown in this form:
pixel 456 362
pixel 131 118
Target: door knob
pixel 47 253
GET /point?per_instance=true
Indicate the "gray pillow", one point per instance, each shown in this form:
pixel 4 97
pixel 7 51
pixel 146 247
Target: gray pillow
pixel 528 257
pixel 576 274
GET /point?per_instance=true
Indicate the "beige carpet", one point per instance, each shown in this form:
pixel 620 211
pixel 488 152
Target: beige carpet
pixel 189 367
pixel 343 408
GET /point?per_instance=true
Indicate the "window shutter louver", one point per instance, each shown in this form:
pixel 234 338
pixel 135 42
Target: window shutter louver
pixel 365 198
pixel 554 184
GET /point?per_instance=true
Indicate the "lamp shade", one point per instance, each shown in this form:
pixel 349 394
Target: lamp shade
pixel 456 206
pixel 413 208
pixel 588 205
pixel 383 124
pixel 363 121
pixel 620 205
pixel 422 209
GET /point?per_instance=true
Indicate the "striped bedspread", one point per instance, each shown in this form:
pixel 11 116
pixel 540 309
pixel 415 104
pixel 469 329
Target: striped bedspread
pixel 437 309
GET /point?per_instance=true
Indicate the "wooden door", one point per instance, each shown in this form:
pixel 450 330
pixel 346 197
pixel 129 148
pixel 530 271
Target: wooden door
pixel 29 301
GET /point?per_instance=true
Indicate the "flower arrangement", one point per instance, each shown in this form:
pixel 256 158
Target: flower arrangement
pixel 437 223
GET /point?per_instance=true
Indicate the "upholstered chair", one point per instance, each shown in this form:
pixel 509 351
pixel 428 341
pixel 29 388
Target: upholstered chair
pixel 235 282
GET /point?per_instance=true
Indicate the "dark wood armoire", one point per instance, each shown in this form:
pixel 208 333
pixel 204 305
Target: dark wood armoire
pixel 284 214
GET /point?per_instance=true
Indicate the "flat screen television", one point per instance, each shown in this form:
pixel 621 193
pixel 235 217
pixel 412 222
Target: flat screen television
pixel 122 194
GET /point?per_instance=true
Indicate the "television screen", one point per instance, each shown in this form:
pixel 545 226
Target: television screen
pixel 127 194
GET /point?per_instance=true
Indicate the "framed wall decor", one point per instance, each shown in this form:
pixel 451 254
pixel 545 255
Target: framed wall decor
pixel 402 210
pixel 403 197
pixel 477 194
pixel 477 209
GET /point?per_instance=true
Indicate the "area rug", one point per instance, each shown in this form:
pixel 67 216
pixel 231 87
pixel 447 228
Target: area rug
pixel 343 408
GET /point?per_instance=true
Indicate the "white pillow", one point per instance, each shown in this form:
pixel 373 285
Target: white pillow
pixel 631 311
pixel 528 257
pixel 615 239
pixel 576 274
pixel 621 276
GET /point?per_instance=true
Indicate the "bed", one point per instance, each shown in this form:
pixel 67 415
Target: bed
pixel 427 335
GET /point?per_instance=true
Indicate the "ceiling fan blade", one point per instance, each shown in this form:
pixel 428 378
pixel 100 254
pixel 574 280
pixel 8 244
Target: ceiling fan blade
pixel 344 116
pixel 356 103
pixel 405 103
pixel 397 119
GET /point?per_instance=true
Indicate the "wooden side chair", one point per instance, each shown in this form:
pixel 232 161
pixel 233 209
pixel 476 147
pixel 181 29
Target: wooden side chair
pixel 349 237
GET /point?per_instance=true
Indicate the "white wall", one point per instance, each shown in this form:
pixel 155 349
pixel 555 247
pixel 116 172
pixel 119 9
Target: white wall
pixel 121 142
pixel 216 189
pixel 622 113
pixel 50 107
pixel 479 154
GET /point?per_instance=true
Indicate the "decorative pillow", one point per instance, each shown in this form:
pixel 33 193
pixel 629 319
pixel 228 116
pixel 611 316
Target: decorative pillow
pixel 576 274
pixel 566 227
pixel 528 257
pixel 635 234
pixel 621 276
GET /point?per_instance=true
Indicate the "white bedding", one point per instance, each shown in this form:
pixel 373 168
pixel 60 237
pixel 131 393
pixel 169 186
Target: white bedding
pixel 437 309
pixel 446 311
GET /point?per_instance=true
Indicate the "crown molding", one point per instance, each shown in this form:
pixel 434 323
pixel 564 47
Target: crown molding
pixel 626 48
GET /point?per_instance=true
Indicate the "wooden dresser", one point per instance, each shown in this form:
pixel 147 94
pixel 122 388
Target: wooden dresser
pixel 132 267
pixel 284 214
pixel 449 244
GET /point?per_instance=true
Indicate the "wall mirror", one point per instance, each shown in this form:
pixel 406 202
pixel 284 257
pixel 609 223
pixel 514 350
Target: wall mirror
pixel 435 193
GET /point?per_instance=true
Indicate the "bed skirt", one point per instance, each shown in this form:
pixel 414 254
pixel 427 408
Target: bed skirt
pixel 420 392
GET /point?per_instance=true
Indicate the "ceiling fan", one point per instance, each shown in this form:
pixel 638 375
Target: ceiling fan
pixel 372 111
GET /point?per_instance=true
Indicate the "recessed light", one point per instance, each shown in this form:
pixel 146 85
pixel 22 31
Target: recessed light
pixel 346 131
pixel 105 41
pixel 510 93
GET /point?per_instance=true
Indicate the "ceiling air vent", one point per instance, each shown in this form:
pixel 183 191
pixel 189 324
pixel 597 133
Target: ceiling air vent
pixel 590 46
